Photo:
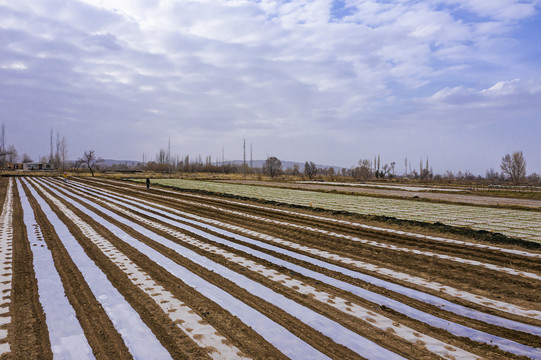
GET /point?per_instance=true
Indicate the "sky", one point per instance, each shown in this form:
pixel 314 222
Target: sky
pixel 328 81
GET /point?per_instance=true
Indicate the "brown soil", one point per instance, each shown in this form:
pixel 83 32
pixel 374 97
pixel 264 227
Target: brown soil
pixel 197 302
pixel 105 341
pixel 502 287
pixel 28 333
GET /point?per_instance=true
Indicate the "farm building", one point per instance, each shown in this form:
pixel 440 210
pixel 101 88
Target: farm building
pixel 38 167
pixel 14 166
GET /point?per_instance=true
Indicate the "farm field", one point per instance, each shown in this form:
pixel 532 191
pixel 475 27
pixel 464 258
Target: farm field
pixel 387 186
pixel 527 197
pixel 514 223
pixel 96 268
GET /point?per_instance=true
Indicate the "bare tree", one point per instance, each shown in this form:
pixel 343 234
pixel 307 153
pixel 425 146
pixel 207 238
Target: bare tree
pixel 3 138
pixel 244 167
pixel 406 166
pixel 295 170
pixel 57 158
pixel 51 156
pixel 378 173
pixel 492 175
pixel 534 178
pixel 77 164
pixel 331 172
pixel 12 154
pixel 385 170
pixel 63 152
pixel 27 158
pixel 9 154
pixel 425 173
pixel 448 175
pixel 90 159
pixel 364 171
pixel 272 166
pixel 251 157
pixel 161 156
pixel 3 151
pixel 310 169
pixel 514 166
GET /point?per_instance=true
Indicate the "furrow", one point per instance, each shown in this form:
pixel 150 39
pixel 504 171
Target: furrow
pixel 180 314
pixel 490 303
pixel 65 333
pixel 383 323
pixel 329 328
pixel 501 341
pixel 6 275
pixel 127 322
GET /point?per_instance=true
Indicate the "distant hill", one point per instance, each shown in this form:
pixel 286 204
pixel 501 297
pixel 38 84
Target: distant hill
pixel 111 162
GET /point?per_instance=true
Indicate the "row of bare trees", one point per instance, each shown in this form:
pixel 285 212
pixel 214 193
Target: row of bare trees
pixel 59 151
pixel 58 156
pixel 7 154
pixel 513 168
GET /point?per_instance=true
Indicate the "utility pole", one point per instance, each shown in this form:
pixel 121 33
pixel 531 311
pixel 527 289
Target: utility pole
pixel 406 166
pixel 169 155
pixel 51 142
pixel 3 139
pixel 244 152
pixel 244 157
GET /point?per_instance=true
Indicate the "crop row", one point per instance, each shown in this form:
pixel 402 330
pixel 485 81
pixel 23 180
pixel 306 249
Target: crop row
pixel 514 223
pixel 164 274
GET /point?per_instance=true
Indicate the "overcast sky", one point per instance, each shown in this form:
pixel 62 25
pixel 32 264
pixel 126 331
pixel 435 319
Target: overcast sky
pixel 457 81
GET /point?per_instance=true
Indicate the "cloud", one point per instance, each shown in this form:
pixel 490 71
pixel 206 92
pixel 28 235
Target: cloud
pixel 263 69
pixel 502 93
pixel 507 10
pixel 505 88
pixel 14 66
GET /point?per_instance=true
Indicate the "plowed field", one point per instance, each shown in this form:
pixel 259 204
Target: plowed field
pixel 109 270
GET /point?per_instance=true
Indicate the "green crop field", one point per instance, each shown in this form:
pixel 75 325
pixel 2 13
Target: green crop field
pixel 514 223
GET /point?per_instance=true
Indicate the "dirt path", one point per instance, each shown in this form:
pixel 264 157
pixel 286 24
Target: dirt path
pixel 268 283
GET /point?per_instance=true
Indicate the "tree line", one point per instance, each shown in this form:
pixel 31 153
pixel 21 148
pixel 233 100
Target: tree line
pixel 512 166
pixel 57 158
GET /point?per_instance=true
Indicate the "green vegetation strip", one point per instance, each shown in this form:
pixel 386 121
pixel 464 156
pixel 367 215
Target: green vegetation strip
pixel 513 223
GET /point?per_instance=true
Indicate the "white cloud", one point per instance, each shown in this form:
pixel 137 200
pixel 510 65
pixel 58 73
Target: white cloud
pixel 262 67
pixel 505 102
pixel 14 66
pixel 507 10
pixel 447 94
pixel 503 88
